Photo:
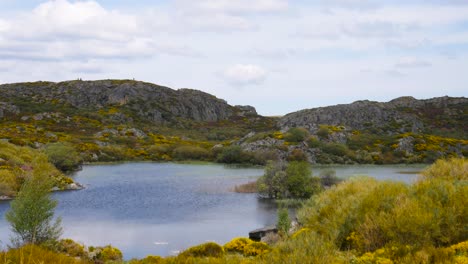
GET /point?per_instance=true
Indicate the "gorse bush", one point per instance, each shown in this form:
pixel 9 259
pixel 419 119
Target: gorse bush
pixel 237 245
pixel 452 169
pixel 209 249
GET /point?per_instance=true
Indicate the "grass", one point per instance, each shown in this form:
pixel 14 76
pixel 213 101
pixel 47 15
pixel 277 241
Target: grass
pixel 250 187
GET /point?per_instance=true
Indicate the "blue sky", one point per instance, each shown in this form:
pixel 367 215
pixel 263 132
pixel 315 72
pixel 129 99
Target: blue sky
pixel 277 55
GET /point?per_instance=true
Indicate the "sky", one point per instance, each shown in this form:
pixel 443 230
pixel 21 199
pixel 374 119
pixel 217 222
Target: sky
pixel 279 56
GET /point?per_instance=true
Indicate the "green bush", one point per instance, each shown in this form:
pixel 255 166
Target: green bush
pixel 335 149
pixel 284 223
pixel 235 154
pixel 209 249
pixel 296 134
pixel 314 142
pixel 63 156
pixel 190 153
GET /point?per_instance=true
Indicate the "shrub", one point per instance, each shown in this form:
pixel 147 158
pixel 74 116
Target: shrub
pixel 234 154
pixel 284 223
pixel 190 153
pixel 296 134
pixel 256 248
pixel 314 142
pixel 36 254
pixel 297 155
pixel 323 132
pixel 451 169
pixel 237 245
pixel 209 249
pixel 63 156
pixel 105 254
pixel 71 248
pixel 335 149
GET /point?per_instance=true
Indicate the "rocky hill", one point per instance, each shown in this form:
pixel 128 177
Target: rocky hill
pixel 135 100
pixel 404 114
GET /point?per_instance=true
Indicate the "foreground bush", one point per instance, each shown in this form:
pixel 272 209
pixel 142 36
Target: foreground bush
pixel 209 249
pixel 36 254
pixel 237 245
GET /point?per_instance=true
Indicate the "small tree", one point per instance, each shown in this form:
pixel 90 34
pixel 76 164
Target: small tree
pixel 32 212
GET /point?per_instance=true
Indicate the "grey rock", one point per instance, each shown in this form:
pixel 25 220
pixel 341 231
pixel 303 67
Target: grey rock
pixel 404 114
pixel 245 110
pixel 151 102
pixel 406 145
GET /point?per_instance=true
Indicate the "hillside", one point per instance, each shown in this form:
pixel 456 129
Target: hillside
pixel 404 130
pixel 441 115
pixel 111 120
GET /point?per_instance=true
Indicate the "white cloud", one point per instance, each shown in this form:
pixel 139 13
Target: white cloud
pixel 245 74
pixel 236 6
pixel 82 30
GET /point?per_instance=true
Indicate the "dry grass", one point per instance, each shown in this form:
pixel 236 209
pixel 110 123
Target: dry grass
pixel 250 187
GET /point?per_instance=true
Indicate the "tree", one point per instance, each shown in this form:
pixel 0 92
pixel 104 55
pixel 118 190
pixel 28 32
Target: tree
pixel 299 181
pixel 293 180
pixel 32 212
pixel 272 183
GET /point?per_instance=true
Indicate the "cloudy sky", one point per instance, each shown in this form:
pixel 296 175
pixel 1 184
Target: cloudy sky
pixel 277 55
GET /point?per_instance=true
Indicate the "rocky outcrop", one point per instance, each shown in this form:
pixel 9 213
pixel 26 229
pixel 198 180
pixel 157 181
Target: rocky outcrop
pixel 404 114
pixel 7 107
pixel 146 101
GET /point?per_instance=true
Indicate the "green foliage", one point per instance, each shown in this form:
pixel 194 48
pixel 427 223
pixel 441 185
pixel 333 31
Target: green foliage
pixel 335 149
pixel 190 153
pixel 291 180
pixel 273 182
pixel 63 156
pixel 323 132
pixel 296 134
pixel 284 223
pixel 298 180
pixel 314 142
pixel 32 211
pixel 209 249
pixel 235 154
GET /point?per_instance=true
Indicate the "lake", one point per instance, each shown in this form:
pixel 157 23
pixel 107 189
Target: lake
pixel 162 208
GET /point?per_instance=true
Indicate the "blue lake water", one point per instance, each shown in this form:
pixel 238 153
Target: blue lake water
pixel 162 208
